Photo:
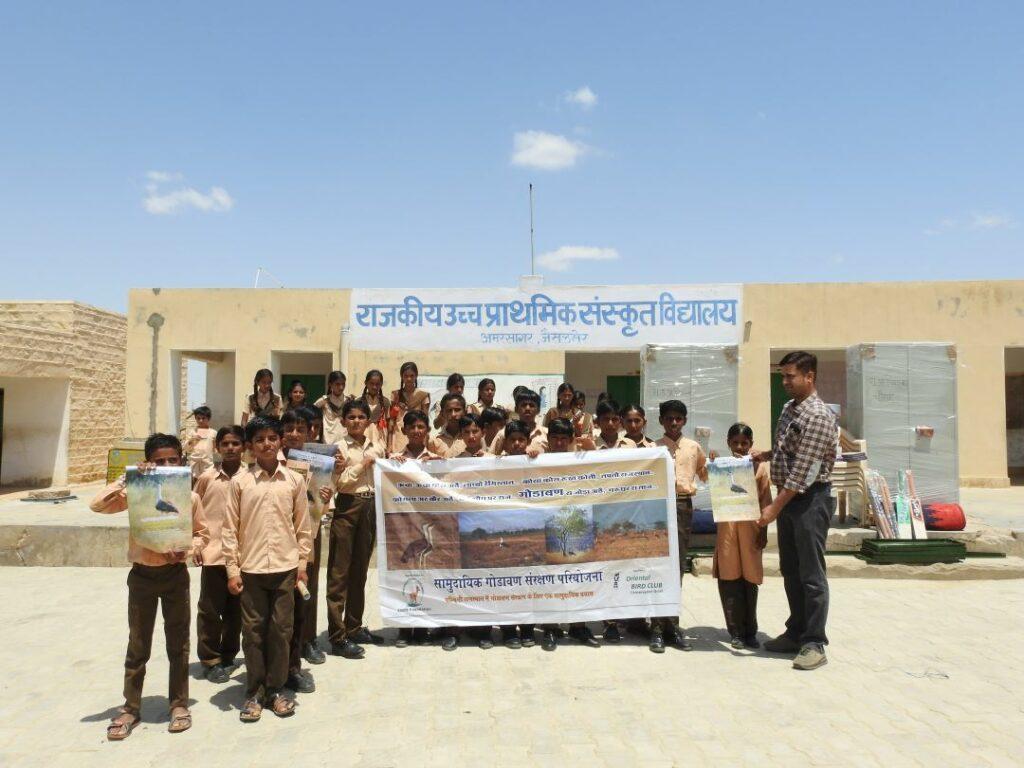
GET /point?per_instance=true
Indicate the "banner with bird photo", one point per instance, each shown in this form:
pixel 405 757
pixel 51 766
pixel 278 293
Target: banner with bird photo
pixel 733 489
pixel 160 507
pixel 512 540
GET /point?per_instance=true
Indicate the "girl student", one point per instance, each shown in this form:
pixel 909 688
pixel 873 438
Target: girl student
pixel 484 397
pixel 738 547
pixel 567 408
pixel 296 395
pixel 263 401
pixel 409 397
pixel 634 421
pixel 379 405
pixel 331 404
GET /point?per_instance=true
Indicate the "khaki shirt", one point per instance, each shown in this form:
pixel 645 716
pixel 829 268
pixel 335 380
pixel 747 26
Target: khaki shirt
pixel 353 478
pixel 453 445
pixel 468 454
pixel 690 463
pixel 213 487
pixel 334 427
pixel 538 439
pixel 619 442
pixel 644 442
pixel 200 450
pixel 266 527
pixel 425 455
pixel 113 498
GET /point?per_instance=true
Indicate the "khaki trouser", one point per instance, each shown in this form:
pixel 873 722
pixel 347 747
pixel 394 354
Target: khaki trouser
pixel 353 533
pixel 268 605
pixel 304 620
pixel 218 618
pixel 148 585
pixel 684 522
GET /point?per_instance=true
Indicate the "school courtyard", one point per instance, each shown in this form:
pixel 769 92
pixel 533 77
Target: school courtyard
pixel 920 673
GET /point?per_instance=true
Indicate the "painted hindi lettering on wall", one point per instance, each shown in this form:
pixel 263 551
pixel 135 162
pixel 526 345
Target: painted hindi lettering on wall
pixel 600 317
pixel 501 540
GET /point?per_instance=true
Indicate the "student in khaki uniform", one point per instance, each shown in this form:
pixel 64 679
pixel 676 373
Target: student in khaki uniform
pixel 516 442
pixel 199 442
pixel 408 398
pixel 155 578
pixel 609 426
pixel 492 421
pixel 353 532
pixel 566 408
pixel 690 463
pixel 219 613
pixel 263 401
pixel 331 404
pixel 267 543
pixel 296 424
pixel 448 442
pixel 472 435
pixel 634 422
pixel 415 428
pixel 380 408
pixel 484 397
pixel 527 407
pixel 296 395
pixel 456 385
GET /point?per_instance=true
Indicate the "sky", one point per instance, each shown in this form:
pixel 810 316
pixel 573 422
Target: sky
pixel 392 144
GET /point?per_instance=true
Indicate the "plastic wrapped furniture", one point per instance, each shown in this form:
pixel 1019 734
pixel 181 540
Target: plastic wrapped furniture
pixel 902 402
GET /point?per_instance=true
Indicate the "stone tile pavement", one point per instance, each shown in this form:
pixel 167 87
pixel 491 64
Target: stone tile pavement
pixel 920 673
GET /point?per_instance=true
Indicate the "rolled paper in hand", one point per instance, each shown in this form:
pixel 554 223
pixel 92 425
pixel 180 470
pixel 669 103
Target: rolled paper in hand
pixel 301 586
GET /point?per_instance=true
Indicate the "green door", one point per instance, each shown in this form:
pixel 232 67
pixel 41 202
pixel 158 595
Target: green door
pixel 315 384
pixel 623 389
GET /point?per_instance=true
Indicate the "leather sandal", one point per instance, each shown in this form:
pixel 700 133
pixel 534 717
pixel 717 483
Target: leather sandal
pixel 119 730
pixel 281 705
pixel 252 710
pixel 180 723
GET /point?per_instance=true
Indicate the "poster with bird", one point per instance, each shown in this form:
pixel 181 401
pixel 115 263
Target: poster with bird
pixel 733 489
pixel 160 508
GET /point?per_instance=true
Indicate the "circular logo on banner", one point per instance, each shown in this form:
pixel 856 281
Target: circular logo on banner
pixel 412 590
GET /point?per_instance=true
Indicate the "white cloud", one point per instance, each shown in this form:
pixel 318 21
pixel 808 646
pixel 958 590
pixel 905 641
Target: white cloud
pixel 162 201
pixel 976 221
pixel 562 259
pixel 546 151
pixel 582 97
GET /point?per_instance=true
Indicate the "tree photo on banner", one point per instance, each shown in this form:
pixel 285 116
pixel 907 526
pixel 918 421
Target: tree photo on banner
pixel 560 538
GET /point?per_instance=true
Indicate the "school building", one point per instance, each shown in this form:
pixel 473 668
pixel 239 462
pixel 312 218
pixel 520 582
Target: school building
pixel 591 336
pixel 62 392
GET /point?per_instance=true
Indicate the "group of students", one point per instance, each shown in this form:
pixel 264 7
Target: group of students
pixel 258 541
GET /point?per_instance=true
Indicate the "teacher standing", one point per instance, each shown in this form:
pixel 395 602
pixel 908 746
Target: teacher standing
pixel 801 467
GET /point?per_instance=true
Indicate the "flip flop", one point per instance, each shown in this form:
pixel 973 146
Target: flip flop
pixel 120 731
pixel 180 723
pixel 252 710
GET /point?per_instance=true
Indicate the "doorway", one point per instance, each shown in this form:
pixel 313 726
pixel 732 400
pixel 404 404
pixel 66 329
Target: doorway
pixel 624 390
pixel 617 373
pixel 1014 366
pixel 311 368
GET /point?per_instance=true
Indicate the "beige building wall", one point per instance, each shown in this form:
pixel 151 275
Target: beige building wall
pixel 62 364
pixel 981 318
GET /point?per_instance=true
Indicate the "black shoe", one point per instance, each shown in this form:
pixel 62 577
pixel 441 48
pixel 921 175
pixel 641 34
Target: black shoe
pixel 366 637
pixel 421 636
pixel 300 681
pixel 449 643
pixel 584 636
pixel 548 641
pixel 751 642
pixel 527 641
pixel 311 652
pixel 230 665
pixel 677 640
pixel 612 633
pixel 512 642
pixel 348 649
pixel 485 643
pixel 657 644
pixel 217 673
pixel 737 643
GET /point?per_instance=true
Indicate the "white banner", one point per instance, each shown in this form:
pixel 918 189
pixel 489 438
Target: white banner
pixel 579 317
pixel 502 540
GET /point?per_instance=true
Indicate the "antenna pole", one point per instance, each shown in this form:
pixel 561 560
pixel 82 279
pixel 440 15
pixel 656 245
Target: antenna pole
pixel 532 269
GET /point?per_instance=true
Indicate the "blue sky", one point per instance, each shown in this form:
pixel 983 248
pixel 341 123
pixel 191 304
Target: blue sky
pixel 337 145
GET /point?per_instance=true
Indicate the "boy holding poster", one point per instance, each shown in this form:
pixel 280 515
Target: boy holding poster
pixel 690 464
pixel 218 614
pixel 738 547
pixel 267 542
pixel 155 577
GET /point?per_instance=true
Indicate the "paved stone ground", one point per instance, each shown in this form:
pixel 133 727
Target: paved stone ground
pixel 920 672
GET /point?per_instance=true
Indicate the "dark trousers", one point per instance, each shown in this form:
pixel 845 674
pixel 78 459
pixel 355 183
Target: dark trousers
pixel 148 585
pixel 218 618
pixel 802 530
pixel 353 533
pixel 268 607
pixel 684 523
pixel 304 620
pixel 739 604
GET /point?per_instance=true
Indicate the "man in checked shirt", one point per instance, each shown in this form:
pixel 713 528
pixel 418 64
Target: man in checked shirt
pixel 801 465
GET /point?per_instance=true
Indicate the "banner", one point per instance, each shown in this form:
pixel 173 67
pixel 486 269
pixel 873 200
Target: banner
pixel 558 317
pixel 510 540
